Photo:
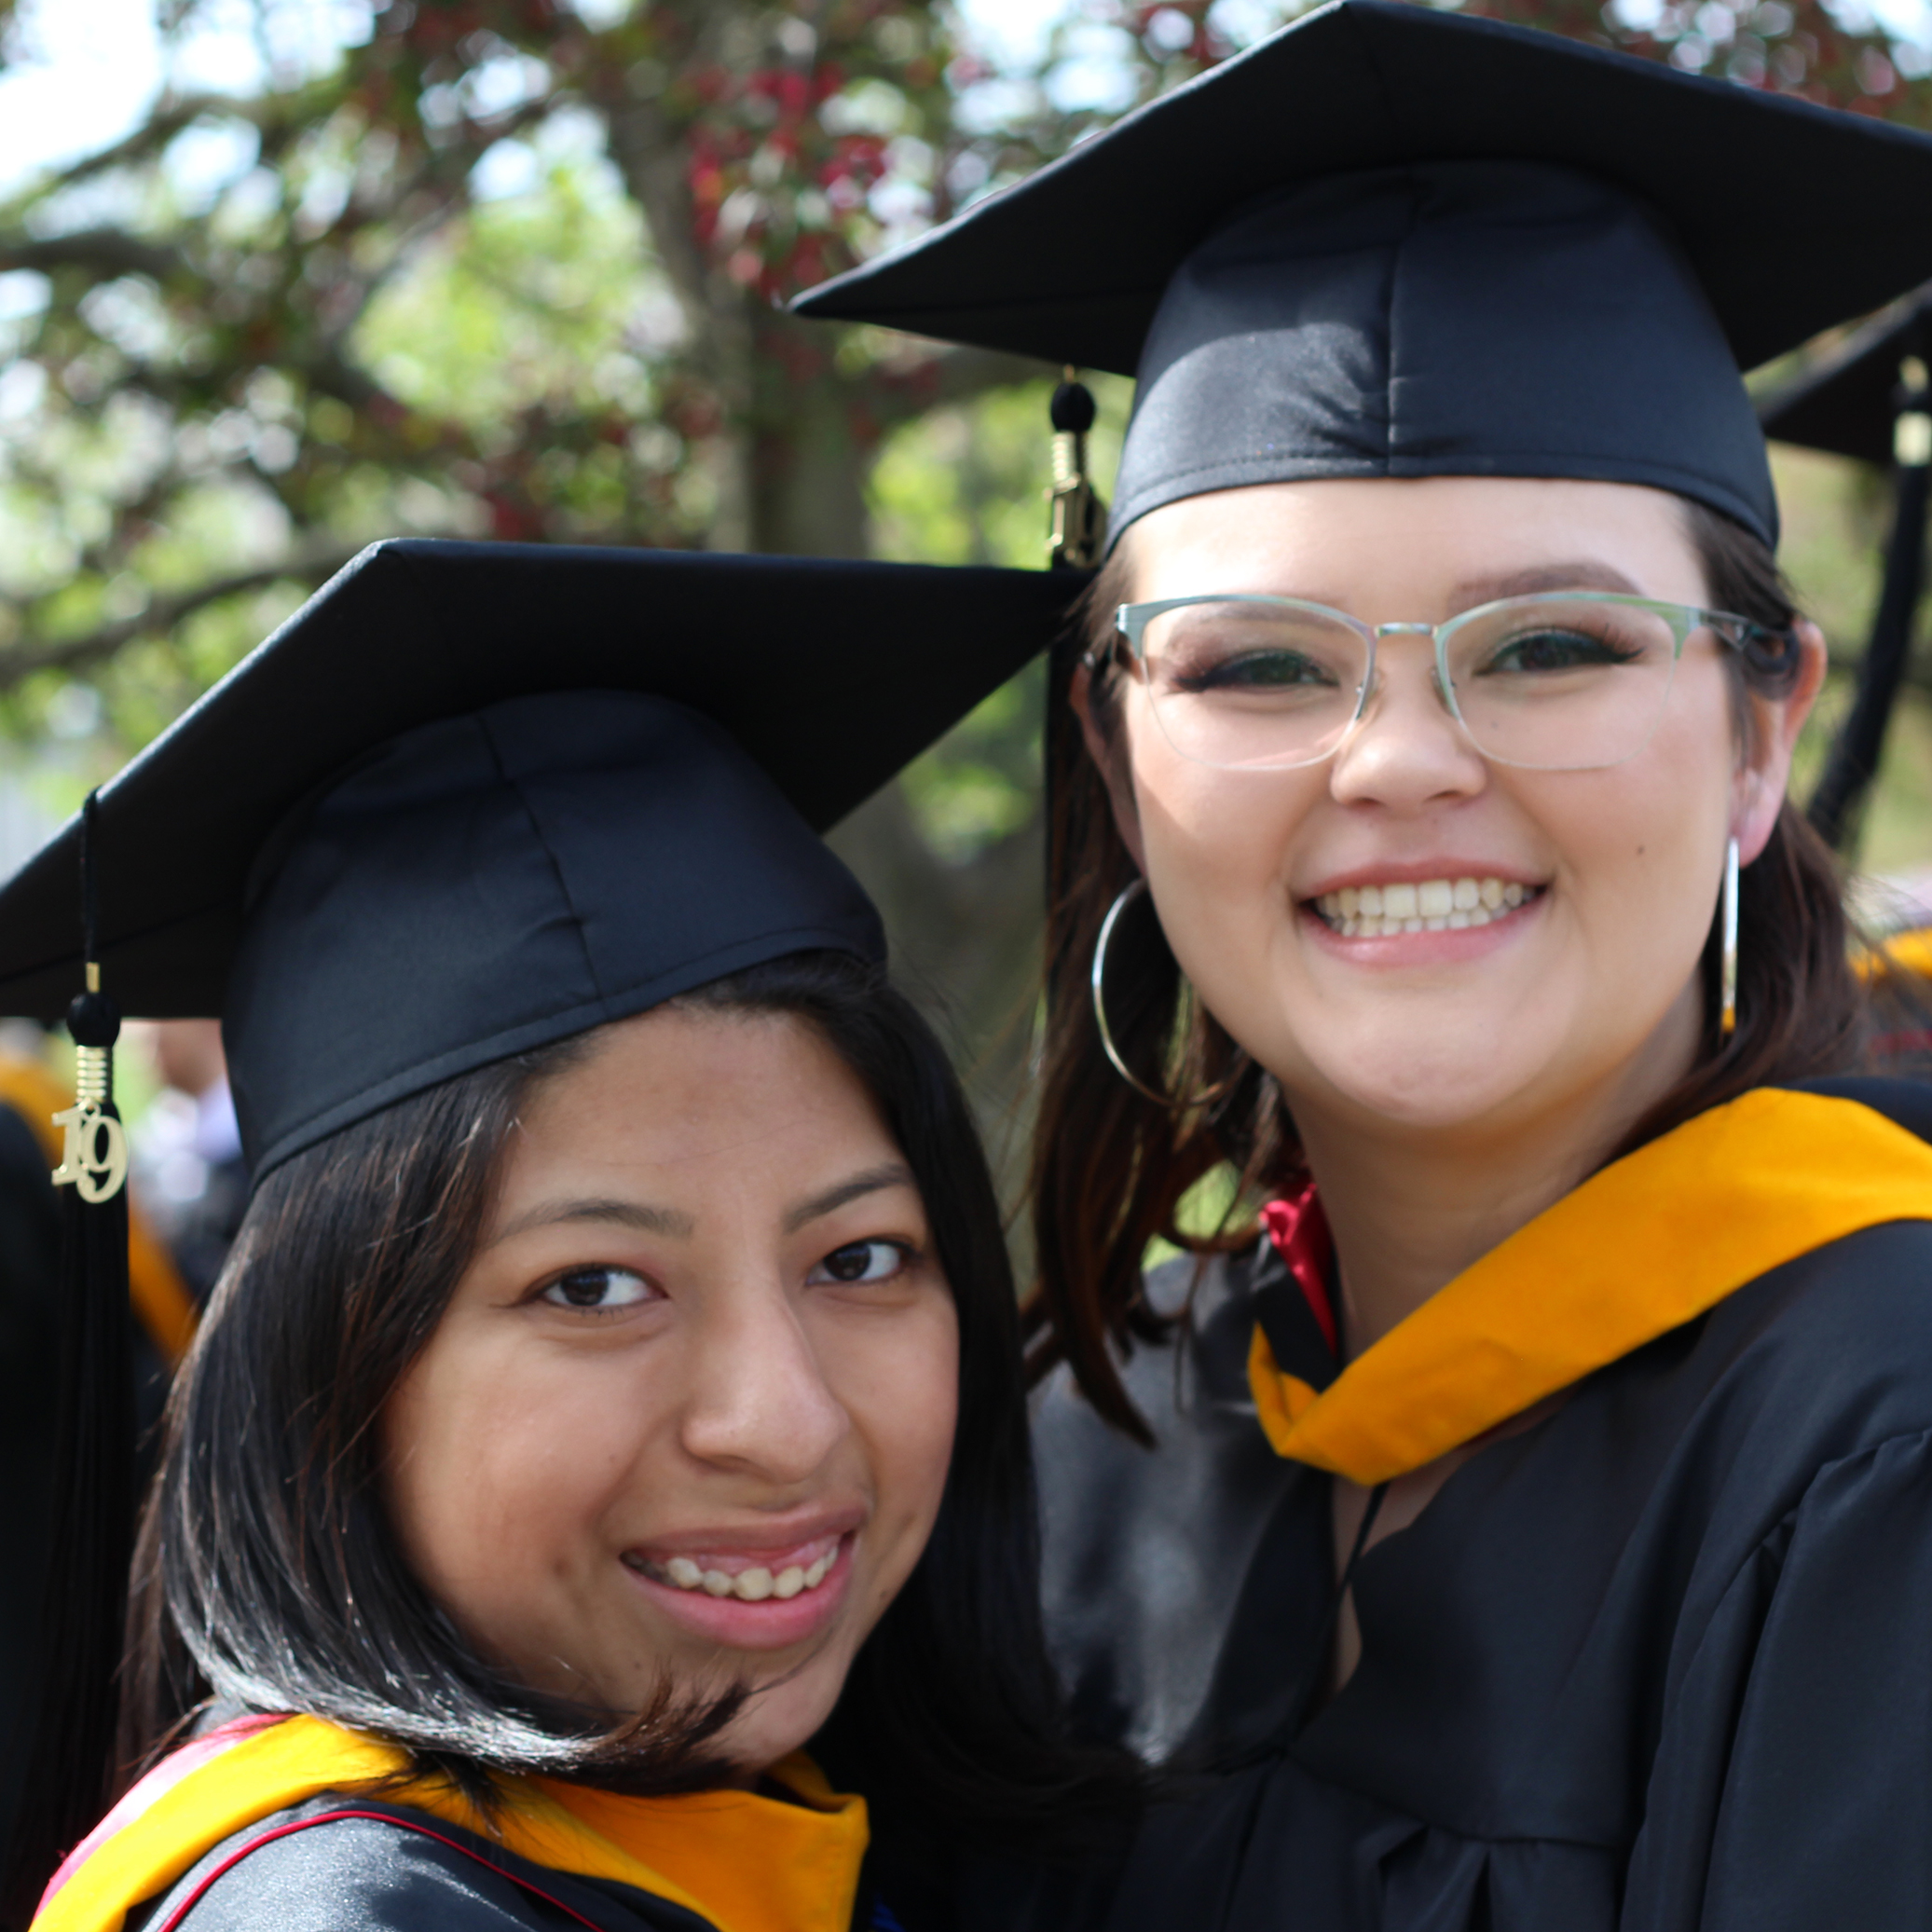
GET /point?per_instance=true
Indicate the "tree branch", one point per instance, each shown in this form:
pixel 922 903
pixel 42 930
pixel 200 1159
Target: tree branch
pixel 112 250
pixel 309 564
pixel 896 392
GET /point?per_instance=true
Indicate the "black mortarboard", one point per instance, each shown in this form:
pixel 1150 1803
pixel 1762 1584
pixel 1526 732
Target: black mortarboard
pixel 1868 398
pixel 1394 241
pixel 511 860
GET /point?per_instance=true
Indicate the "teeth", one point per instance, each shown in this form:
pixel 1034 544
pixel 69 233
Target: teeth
pixel 1435 905
pixel 749 1585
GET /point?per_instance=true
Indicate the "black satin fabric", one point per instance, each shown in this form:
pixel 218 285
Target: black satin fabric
pixel 1455 317
pixel 1662 1661
pixel 29 1286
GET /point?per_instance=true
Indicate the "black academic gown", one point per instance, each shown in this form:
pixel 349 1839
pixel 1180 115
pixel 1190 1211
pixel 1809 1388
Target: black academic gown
pixel 1662 1661
pixel 30 1258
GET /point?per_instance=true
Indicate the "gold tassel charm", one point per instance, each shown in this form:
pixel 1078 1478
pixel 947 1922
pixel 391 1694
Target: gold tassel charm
pixel 1078 519
pixel 94 1156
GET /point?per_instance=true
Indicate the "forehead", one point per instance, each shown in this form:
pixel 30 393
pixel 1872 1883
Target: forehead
pixel 692 1096
pixel 1415 548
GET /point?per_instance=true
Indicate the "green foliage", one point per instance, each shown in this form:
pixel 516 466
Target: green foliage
pixel 263 330
pixel 966 486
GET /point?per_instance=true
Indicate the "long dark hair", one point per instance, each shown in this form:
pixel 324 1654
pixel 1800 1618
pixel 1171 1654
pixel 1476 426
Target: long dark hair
pixel 1111 1166
pixel 269 1576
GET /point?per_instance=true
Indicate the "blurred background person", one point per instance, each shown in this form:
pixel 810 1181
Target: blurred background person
pixel 188 1173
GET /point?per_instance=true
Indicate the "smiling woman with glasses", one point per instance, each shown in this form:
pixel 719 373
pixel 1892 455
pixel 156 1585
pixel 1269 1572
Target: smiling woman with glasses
pixel 1530 1524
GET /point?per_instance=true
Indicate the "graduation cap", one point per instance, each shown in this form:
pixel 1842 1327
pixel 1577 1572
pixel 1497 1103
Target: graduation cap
pixel 1869 399
pixel 1391 241
pixel 471 798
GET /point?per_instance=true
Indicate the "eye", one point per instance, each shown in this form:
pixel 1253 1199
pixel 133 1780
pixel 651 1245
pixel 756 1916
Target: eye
pixel 599 1288
pixel 1260 670
pixel 1555 649
pixel 861 1261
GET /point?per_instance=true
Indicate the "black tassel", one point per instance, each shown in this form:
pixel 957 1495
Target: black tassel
pixel 1837 803
pixel 84 1608
pixel 1078 519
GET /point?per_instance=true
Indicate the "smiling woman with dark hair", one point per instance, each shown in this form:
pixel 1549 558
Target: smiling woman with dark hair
pixel 615 1385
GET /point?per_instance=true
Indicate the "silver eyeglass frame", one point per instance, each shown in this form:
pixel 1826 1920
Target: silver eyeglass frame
pixel 1131 621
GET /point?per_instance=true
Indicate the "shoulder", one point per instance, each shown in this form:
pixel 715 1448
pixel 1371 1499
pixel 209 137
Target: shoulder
pixel 333 1866
pixel 1841 1336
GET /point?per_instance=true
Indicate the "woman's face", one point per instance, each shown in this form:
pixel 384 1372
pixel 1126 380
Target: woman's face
pixel 1593 975
pixel 690 1411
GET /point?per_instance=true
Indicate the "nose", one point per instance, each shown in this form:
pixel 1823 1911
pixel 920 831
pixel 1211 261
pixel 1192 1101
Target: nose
pixel 1406 749
pixel 756 1397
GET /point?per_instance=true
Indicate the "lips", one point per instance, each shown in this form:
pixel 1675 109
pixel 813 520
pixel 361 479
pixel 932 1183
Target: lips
pixel 750 1578
pixel 767 1587
pixel 1381 910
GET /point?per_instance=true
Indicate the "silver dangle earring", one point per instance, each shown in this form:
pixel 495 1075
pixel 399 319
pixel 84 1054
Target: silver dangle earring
pixel 1727 1011
pixel 1129 893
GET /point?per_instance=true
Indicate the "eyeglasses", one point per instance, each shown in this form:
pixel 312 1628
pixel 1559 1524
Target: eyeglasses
pixel 1561 682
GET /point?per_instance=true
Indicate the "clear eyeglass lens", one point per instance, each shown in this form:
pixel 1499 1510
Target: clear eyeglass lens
pixel 1560 683
pixel 1239 685
pixel 1552 683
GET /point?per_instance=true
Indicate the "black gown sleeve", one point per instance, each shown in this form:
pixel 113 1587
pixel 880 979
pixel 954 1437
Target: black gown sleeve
pixel 1792 1790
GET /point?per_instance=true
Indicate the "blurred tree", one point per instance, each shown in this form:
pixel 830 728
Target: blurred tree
pixel 1836 56
pixel 511 267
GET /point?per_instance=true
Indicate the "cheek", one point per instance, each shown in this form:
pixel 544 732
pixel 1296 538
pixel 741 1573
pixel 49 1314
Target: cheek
pixel 899 1381
pixel 501 1469
pixel 1219 844
pixel 1643 843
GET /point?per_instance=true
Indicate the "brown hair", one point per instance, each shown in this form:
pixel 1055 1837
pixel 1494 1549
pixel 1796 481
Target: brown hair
pixel 1111 1166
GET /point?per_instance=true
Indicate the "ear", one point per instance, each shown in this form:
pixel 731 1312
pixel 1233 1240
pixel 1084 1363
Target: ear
pixel 1110 757
pixel 1762 776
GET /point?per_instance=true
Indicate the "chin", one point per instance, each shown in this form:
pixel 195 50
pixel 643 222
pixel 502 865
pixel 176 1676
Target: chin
pixel 1425 1086
pixel 777 1721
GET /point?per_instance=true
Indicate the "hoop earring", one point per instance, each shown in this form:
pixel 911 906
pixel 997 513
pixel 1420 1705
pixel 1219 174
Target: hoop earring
pixel 1726 971
pixel 1220 1090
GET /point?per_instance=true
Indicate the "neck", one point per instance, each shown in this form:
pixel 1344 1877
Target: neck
pixel 1411 1209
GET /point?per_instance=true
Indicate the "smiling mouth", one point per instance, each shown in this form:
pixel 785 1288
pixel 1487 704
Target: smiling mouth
pixel 1432 905
pixel 750 1579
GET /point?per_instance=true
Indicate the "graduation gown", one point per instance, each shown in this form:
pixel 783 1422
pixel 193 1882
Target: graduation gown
pixel 298 1825
pixel 30 1275
pixel 1662 1660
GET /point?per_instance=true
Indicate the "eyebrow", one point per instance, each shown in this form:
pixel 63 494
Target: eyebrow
pixel 1577 575
pixel 875 1180
pixel 673 1224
